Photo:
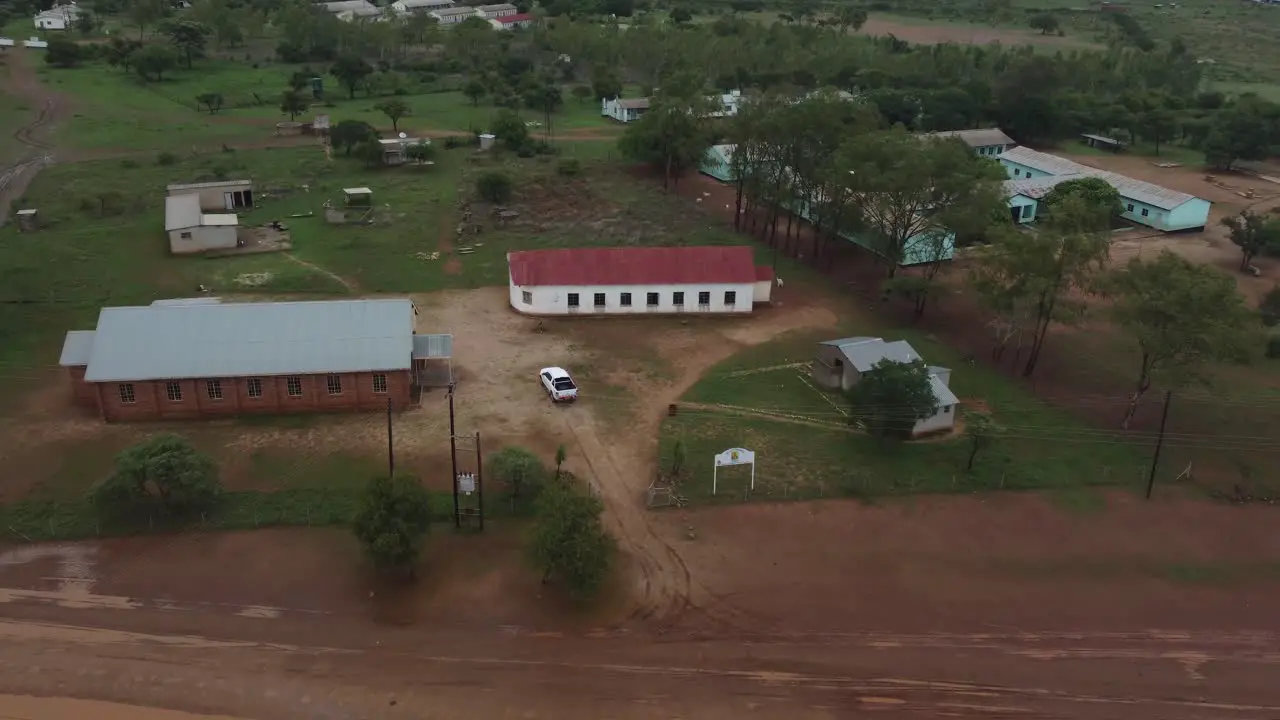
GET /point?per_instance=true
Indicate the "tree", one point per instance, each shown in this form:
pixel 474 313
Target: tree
pixel 672 136
pixel 119 52
pixel 561 453
pixel 63 52
pixel 548 99
pixel 1159 125
pixel 1044 22
pixel 348 134
pixel 510 130
pixel 351 70
pixel 145 13
pixel 151 61
pixel 1098 201
pixel 981 430
pixel 1183 315
pixel 581 93
pixel 519 470
pixel 1240 132
pixel 163 474
pixel 681 15
pixel 891 398
pixel 87 23
pixel 370 150
pixel 605 83
pixel 188 36
pixel 1254 234
pixel 569 541
pixel 904 188
pixel 494 187
pixel 851 17
pixel 393 519
pixel 1269 307
pixel 293 104
pixel 474 90
pixel 210 100
pixel 394 109
pixel 1035 280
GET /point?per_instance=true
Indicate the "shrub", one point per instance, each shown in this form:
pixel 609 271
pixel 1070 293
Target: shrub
pixel 394 516
pixel 494 186
pixel 1273 346
pixel 1269 307
pixel 163 475
pixel 129 163
pixel 166 158
pixel 569 167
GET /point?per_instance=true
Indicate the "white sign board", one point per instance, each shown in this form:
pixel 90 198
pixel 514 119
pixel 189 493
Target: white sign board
pixel 733 456
pixel 466 483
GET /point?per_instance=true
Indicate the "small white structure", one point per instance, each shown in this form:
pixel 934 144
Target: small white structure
pixel 726 105
pixel 729 458
pixel 839 364
pixel 217 195
pixel 624 110
pixel 405 7
pixel 627 280
pixel 349 10
pixel 6 42
pixel 453 15
pixel 395 150
pixel 35 43
pixel 58 17
pixel 28 220
pixel 192 231
pixel 486 140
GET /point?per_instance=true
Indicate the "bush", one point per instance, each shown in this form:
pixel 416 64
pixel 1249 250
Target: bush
pixel 1269 307
pixel 452 142
pixel 394 516
pixel 129 164
pixel 569 541
pixel 163 475
pixel 1273 346
pixel 494 186
pixel 166 158
pixel 569 167
pixel 520 473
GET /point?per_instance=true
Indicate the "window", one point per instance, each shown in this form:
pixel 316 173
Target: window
pixel 1026 211
pixel 126 394
pixel 174 391
pixel 185 235
pixel 1145 212
pixel 294 386
pixel 380 384
pixel 255 387
pixel 1016 172
pixel 1129 207
pixel 625 300
pixel 730 298
pixel 527 297
pixel 677 299
pixel 214 388
pixel 704 298
pixel 1000 150
pixel 946 409
pixel 335 385
pixel 598 300
pixel 651 299
pixel 573 299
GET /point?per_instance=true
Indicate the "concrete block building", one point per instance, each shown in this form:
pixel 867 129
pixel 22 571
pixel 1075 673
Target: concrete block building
pixel 988 142
pixel 840 364
pixel 201 358
pixel 629 280
pixel 193 231
pixel 624 110
pixel 218 195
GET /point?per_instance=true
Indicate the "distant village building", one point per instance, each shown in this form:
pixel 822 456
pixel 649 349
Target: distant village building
pixel 201 358
pixel 628 280
pixel 407 6
pixel 58 17
pixel 988 142
pixel 507 22
pixel 840 364
pixel 624 110
pixel 349 10
pixel 192 231
pixel 453 15
pixel 395 150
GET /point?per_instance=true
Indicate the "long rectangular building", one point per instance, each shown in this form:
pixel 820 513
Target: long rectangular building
pixel 202 358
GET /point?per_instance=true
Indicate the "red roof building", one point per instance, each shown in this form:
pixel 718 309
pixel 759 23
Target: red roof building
pixel 510 21
pixel 637 279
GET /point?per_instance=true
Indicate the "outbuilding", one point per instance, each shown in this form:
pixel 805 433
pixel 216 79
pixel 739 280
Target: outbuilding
pixel 408 6
pixel 628 280
pixel 193 231
pixel 718 163
pixel 988 142
pixel 840 364
pixel 201 358
pixel 58 17
pixel 624 110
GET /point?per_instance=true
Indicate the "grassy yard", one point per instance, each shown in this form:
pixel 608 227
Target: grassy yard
pixel 1168 152
pixel 115 110
pixel 804 449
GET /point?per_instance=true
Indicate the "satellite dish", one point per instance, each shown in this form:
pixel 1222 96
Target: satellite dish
pixel 403 136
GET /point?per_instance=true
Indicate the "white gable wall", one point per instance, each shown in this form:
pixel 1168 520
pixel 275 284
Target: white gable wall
pixel 554 300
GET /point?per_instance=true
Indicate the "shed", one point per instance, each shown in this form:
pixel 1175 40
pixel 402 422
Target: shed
pixel 624 110
pixel 28 220
pixel 192 231
pixel 840 364
pixel 357 197
pixel 718 163
pixel 1102 142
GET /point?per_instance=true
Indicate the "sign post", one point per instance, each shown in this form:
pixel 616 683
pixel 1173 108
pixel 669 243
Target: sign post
pixel 733 456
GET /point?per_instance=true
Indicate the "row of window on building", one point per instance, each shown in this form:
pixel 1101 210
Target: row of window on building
pixel 651 299
pixel 213 388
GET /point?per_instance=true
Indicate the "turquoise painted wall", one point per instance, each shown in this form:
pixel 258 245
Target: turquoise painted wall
pixel 1026 207
pixel 1191 214
pixel 917 250
pixel 1018 171
pixel 714 164
pixel 989 150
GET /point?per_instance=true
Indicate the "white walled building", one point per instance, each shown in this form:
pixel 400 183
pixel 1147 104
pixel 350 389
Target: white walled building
pixel 626 280
pixel 217 195
pixel 58 17
pixel 191 231
pixel 840 364
pixel 407 6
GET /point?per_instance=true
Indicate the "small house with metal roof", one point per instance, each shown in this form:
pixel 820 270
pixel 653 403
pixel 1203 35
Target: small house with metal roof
pixel 988 142
pixel 191 230
pixel 840 364
pixel 624 110
pixel 1033 174
pixel 718 163
pixel 199 358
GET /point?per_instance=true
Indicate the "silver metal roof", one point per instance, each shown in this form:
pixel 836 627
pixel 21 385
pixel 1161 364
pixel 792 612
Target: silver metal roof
pixel 206 185
pixel 1035 188
pixel 426 347
pixel 187 301
pixel 1044 162
pixel 76 348
pixel 941 392
pixel 984 137
pixel 864 352
pixel 1064 169
pixel 181 212
pixel 247 339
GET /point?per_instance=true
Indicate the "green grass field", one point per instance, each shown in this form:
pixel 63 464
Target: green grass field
pixel 804 450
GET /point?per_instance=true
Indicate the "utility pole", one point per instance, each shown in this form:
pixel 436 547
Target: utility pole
pixel 391 452
pixel 453 457
pixel 1155 459
pixel 479 482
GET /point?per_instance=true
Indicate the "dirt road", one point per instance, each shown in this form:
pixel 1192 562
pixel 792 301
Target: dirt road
pixel 36 149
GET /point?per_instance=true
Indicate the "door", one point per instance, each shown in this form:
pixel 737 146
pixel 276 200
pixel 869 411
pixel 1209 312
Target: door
pixel 228 201
pixel 1016 212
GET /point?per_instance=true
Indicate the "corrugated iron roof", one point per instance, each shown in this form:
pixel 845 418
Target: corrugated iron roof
pixel 426 347
pixel 633 266
pixel 1035 188
pixel 206 185
pixel 984 137
pixel 1044 162
pixel 941 392
pixel 76 348
pixel 181 212
pixel 864 352
pixel 248 339
pixel 187 301
pixel 511 19
pixel 634 103
pixel 1063 169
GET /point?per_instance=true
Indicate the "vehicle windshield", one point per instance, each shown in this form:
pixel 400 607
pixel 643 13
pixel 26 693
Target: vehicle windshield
pixel 564 383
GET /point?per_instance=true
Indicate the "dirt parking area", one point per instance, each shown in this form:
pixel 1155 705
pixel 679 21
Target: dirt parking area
pixel 927 33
